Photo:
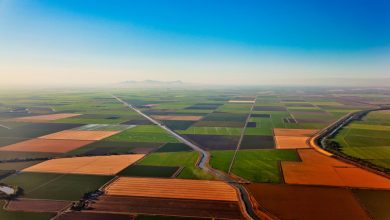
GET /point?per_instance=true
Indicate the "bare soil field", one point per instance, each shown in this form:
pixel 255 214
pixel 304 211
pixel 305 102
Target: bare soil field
pixel 177 117
pixel 50 117
pixel 80 135
pixel 93 216
pixel 317 169
pixel 291 142
pixel 294 132
pixel 37 205
pixel 172 188
pixel 164 206
pixel 307 202
pixel 46 145
pixel 97 165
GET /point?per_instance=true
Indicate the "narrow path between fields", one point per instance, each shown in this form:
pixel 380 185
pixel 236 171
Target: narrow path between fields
pixel 241 137
pixel 203 163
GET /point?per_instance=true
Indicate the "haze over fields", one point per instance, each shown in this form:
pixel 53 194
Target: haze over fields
pixel 244 43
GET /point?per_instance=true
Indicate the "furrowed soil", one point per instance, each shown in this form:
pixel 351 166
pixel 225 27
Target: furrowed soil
pixel 167 206
pixel 46 145
pixel 172 188
pixel 317 169
pixel 80 135
pixel 307 202
pixel 37 205
pixel 97 165
pixel 291 142
pixel 50 117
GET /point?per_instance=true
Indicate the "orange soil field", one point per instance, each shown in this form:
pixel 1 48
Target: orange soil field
pixel 317 169
pixel 37 205
pixel 241 101
pixel 294 132
pixel 50 117
pixel 98 165
pixel 46 145
pixel 307 202
pixel 80 135
pixel 172 188
pixel 177 117
pixel 291 142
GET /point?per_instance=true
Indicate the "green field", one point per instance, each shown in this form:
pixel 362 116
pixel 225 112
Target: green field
pixel 367 139
pixel 174 147
pixel 182 159
pixel 254 165
pixel 55 186
pixel 211 131
pixel 149 171
pixel 143 133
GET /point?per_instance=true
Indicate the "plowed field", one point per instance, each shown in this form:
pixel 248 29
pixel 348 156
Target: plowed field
pixel 46 145
pixel 307 202
pixel 80 135
pixel 294 132
pixel 164 206
pixel 98 165
pixel 50 117
pixel 291 142
pixel 172 188
pixel 37 205
pixel 317 169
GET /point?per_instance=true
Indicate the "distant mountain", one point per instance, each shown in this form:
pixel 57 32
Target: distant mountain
pixel 151 83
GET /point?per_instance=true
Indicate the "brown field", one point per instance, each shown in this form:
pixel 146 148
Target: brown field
pixel 46 145
pixel 291 142
pixel 92 216
pixel 177 117
pixel 317 169
pixel 172 207
pixel 50 117
pixel 80 135
pixel 98 165
pixel 241 101
pixel 172 188
pixel 294 132
pixel 307 202
pixel 37 205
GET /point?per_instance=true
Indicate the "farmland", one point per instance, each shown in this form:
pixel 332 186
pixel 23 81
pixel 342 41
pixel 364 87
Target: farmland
pixel 367 139
pixel 55 186
pixel 93 141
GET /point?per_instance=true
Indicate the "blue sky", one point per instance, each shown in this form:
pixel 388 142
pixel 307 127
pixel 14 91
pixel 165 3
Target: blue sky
pixel 244 42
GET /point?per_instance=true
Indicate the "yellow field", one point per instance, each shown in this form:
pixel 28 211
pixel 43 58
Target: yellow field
pixel 80 135
pixel 42 118
pixel 172 188
pixel 98 165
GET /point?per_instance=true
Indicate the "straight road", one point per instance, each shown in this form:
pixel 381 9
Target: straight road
pixel 203 163
pixel 241 137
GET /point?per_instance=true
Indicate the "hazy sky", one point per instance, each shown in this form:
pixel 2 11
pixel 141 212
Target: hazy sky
pixel 243 42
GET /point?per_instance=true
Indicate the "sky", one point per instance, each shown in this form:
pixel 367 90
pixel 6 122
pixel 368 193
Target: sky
pixel 242 42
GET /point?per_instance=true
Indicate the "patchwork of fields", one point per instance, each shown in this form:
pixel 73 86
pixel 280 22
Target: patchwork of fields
pixel 61 147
